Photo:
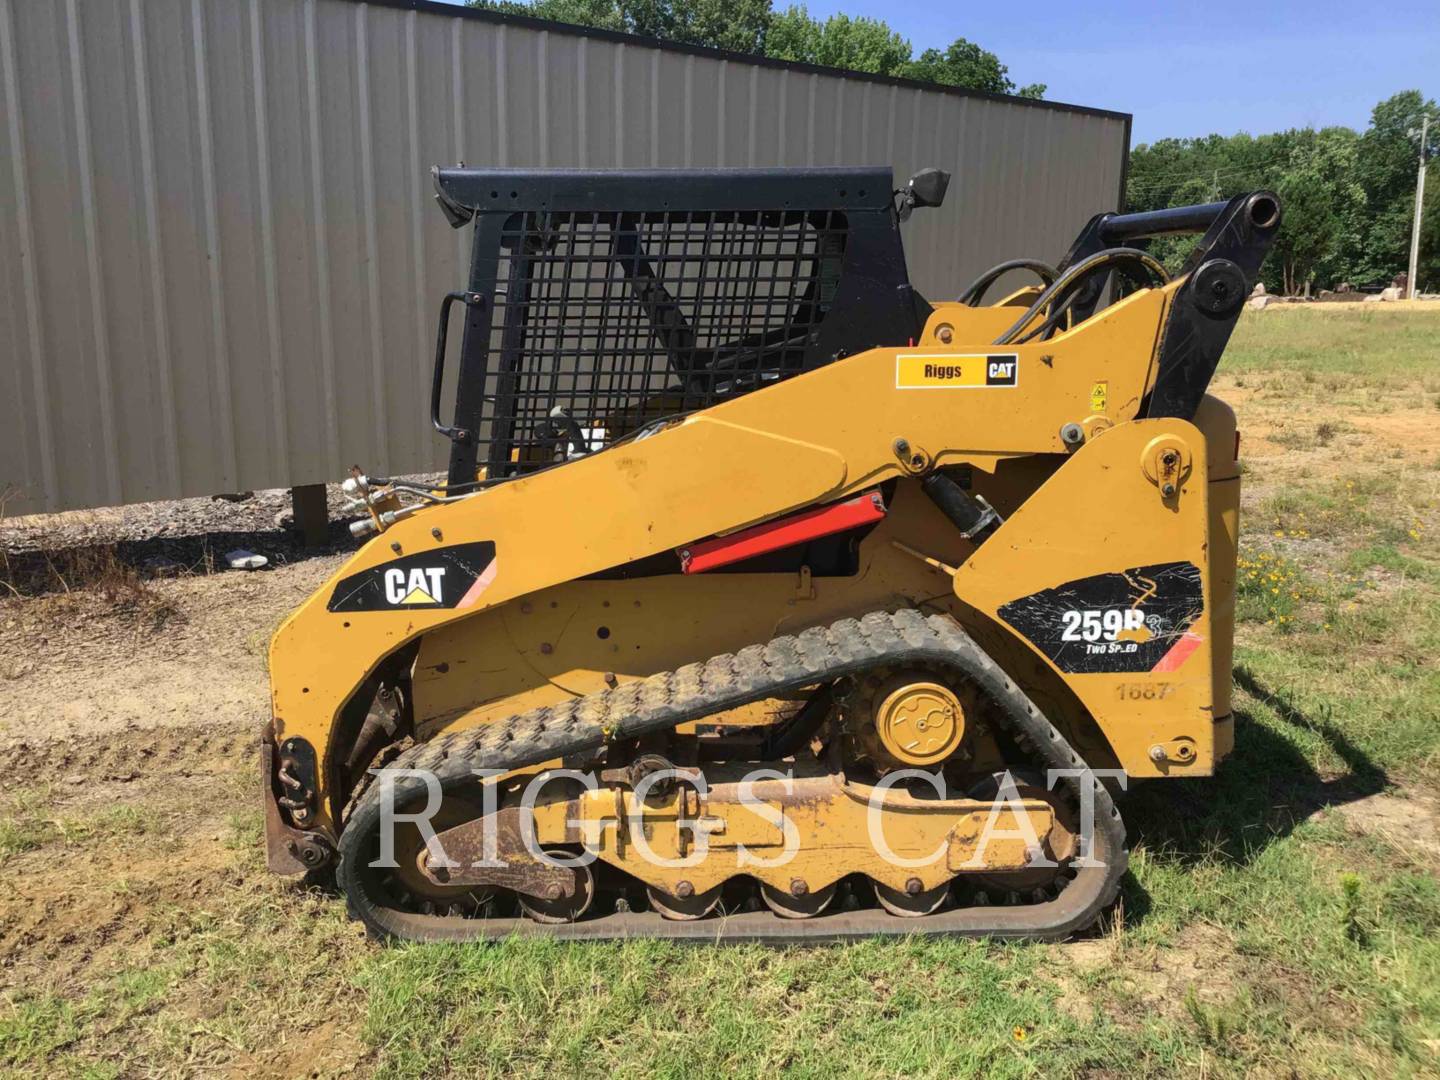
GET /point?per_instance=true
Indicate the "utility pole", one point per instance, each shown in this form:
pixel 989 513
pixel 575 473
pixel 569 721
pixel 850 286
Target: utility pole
pixel 1419 208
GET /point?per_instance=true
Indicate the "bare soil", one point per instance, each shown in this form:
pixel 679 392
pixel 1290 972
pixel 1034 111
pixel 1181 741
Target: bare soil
pixel 95 674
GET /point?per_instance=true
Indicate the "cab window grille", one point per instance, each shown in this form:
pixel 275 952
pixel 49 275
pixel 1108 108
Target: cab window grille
pixel 607 321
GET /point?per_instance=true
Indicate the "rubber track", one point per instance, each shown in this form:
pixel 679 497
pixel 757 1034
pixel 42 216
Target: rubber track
pixel 724 682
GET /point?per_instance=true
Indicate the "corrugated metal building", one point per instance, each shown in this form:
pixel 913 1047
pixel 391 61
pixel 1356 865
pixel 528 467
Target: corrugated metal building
pixel 223 262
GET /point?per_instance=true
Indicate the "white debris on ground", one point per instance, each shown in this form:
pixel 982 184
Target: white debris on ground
pixel 240 559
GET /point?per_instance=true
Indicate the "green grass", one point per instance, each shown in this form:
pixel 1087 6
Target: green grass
pixel 649 1009
pixel 17 835
pixel 1265 928
pixel 1371 342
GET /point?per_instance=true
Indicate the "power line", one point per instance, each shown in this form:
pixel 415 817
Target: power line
pixel 1277 155
pixel 1147 183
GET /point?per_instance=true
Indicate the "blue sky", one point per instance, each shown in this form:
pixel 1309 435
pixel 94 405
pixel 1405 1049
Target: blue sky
pixel 1193 68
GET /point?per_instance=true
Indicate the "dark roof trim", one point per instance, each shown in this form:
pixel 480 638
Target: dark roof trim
pixel 460 11
pixel 565 190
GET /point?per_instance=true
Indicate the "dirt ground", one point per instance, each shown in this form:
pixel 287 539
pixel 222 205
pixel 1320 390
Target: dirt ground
pixel 190 655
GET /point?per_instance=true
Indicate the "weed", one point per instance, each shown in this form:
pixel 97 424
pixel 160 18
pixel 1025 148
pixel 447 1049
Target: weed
pixel 19 835
pixel 1270 589
pixel 1212 1023
pixel 245 831
pixel 1290 437
pixel 1350 919
pixel 34 1027
pixel 113 822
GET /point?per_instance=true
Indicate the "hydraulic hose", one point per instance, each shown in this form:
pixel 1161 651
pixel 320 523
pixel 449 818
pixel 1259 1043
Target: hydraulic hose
pixel 1075 274
pixel 1044 271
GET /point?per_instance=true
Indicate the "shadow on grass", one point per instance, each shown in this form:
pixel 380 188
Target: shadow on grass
pixel 1259 795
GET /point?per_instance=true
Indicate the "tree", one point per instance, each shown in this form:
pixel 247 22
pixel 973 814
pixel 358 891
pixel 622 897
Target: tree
pixel 1427 273
pixel 601 14
pixel 736 25
pixel 1349 197
pixel 752 26
pixel 1387 172
pixel 966 64
pixel 840 41
pixel 1324 208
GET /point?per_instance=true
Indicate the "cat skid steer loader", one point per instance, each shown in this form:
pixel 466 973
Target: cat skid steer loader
pixel 765 598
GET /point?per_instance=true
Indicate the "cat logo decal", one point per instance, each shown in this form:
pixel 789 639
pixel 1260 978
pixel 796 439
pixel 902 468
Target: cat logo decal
pixel 447 577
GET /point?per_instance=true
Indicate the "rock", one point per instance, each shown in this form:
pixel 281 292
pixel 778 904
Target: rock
pixel 285 519
pixel 1261 301
pixel 1373 298
pixel 240 559
pixel 1259 289
pixel 1390 293
pixel 74 780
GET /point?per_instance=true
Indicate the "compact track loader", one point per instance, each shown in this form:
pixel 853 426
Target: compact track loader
pixel 766 599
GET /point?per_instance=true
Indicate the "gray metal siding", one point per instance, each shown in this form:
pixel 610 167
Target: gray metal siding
pixel 222 261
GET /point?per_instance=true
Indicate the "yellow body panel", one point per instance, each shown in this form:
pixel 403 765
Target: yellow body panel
pixel 1069 530
pixel 814 827
pixel 534 635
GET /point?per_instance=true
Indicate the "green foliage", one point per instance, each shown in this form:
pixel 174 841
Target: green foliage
pixel 854 44
pixel 738 25
pixel 1350 919
pixel 1349 196
pixel 1324 204
pixel 1212 1024
pixel 601 14
pixel 963 64
pixel 753 26
pixel 1269 589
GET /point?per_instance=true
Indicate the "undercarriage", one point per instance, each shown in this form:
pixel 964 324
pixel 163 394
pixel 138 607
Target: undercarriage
pixel 643 821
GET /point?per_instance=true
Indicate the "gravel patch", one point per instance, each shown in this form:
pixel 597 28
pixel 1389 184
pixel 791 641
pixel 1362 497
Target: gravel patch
pixel 49 552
